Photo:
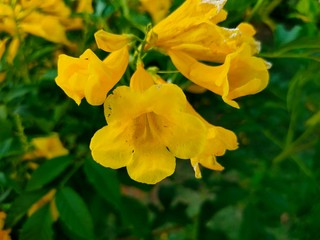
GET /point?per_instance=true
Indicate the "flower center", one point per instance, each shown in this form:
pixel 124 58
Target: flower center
pixel 147 128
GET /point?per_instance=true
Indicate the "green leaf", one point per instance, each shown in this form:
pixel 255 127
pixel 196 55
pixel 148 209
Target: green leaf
pixel 38 226
pixel 238 5
pixel 309 8
pixel 135 216
pixel 227 219
pixel 48 171
pixel 42 52
pixel 3 112
pixel 6 129
pixel 105 181
pixel 21 205
pixel 5 147
pixel 74 213
pixel 314 119
pixel 283 35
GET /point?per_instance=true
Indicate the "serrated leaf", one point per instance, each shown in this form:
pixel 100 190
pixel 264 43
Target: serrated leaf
pixel 21 205
pixel 74 213
pixel 48 171
pixel 105 181
pixel 38 226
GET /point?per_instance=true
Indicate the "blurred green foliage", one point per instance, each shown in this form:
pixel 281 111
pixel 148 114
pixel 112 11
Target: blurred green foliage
pixel 270 188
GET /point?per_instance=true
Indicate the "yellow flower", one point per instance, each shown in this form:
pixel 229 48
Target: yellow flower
pixel 157 9
pixel 191 26
pixel 46 147
pixel 191 34
pixel 110 42
pixel 2 47
pixel 2 50
pixel 27 18
pixel 12 50
pixel 52 7
pixel 2 76
pixel 4 233
pixel 148 126
pixel 47 198
pixel 218 141
pixel 45 26
pixel 47 19
pixel 90 77
pixel 84 6
pixel 241 74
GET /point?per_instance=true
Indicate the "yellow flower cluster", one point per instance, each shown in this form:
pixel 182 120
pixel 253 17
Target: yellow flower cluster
pixel 150 122
pixel 48 19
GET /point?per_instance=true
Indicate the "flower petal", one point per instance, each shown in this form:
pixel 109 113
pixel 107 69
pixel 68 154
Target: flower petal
pixel 72 74
pixel 206 160
pixel 117 63
pixel 247 74
pixel 45 26
pixel 103 77
pixel 2 46
pixel 13 49
pixel 165 95
pixel 213 78
pixel 141 80
pixel 114 109
pixel 110 42
pixel 184 135
pixel 110 147
pixel 142 102
pixel 157 9
pixel 241 74
pixel 89 77
pixel 151 164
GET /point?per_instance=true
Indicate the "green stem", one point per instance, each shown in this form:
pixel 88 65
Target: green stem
pixel 254 10
pixel 21 54
pixel 288 55
pixel 126 12
pixel 20 132
pixel 168 72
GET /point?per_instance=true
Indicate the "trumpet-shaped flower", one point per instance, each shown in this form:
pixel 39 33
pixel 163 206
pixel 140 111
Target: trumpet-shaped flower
pixel 191 34
pixel 241 74
pixel 89 77
pixel 148 126
pixel 218 141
